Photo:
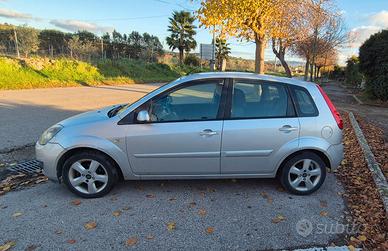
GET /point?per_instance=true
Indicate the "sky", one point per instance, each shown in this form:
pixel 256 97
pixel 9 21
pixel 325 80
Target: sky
pixel 362 18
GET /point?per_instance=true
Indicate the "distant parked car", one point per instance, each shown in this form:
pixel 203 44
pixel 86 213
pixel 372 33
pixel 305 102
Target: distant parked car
pixel 202 126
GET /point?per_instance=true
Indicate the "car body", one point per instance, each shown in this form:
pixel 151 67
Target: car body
pixel 206 125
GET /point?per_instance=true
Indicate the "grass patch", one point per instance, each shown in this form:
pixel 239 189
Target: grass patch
pixel 37 72
pixel 136 70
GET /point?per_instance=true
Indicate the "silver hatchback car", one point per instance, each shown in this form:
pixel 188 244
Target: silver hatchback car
pixel 202 126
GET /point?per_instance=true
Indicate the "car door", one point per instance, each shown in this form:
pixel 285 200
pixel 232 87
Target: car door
pixel 260 126
pixel 183 136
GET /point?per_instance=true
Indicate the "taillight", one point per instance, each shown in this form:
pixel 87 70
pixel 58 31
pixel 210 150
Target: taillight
pixel 333 110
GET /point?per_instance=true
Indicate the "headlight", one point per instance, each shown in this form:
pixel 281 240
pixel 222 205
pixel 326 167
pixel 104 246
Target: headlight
pixel 49 134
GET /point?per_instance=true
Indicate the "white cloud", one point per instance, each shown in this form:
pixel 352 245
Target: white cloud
pixel 358 35
pixel 379 19
pixel 76 25
pixel 14 14
pixel 374 23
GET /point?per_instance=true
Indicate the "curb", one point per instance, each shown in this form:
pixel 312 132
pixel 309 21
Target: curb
pixel 357 99
pixel 342 248
pixel 16 148
pixel 377 174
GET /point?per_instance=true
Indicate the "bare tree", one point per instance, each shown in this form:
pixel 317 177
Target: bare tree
pixel 325 31
pixel 292 29
pixel 82 49
pixel 327 58
pixel 26 39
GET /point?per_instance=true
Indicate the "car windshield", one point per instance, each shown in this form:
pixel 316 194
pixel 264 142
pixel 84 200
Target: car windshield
pixel 122 108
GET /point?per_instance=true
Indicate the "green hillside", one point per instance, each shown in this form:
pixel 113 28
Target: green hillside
pixel 37 72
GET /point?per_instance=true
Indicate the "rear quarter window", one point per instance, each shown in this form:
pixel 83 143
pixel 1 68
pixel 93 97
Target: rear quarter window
pixel 304 103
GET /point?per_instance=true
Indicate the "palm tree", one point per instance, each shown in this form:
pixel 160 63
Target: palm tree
pixel 182 33
pixel 222 52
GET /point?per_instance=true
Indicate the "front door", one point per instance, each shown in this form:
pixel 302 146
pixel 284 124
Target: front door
pixel 260 124
pixel 184 134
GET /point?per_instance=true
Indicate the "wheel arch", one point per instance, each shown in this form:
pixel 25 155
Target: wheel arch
pixel 75 150
pixel 319 152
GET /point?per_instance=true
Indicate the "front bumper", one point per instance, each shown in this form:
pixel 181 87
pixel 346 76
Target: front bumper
pixel 49 154
pixel 336 155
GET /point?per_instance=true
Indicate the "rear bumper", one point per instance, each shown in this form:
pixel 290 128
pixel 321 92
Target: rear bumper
pixel 49 154
pixel 336 155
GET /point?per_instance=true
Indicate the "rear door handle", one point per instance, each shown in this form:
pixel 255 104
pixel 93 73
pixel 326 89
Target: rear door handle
pixel 288 128
pixel 208 132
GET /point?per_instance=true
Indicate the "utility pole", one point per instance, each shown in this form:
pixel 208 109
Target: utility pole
pixel 213 61
pixel 51 49
pixel 102 48
pixel 16 43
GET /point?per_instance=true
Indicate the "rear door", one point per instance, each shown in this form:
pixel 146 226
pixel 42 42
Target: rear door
pixel 260 122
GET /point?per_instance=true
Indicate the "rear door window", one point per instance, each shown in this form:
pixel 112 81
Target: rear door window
pixel 258 99
pixel 304 102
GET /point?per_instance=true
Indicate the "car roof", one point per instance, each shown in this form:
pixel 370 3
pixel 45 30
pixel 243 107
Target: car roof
pixel 245 75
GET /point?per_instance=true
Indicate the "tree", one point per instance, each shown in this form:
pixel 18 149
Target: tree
pixel 136 43
pixel 153 48
pixel 86 36
pixel 182 33
pixel 7 44
pixel 222 52
pixel 107 45
pixel 119 45
pixel 52 41
pixel 353 77
pixel 249 19
pixel 291 29
pixel 192 60
pixel 27 38
pixel 325 32
pixel 82 49
pixel 373 56
pixel 325 60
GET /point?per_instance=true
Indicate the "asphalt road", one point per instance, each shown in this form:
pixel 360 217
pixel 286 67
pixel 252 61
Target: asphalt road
pixel 240 213
pixel 25 114
pixel 343 99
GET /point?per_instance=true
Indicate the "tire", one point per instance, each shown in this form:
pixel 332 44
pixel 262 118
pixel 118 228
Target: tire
pixel 89 174
pixel 303 174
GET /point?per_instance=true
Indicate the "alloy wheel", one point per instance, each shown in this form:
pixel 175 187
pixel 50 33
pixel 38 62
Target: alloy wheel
pixel 304 175
pixel 88 176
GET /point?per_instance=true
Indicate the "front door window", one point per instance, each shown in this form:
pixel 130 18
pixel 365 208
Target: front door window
pixel 195 102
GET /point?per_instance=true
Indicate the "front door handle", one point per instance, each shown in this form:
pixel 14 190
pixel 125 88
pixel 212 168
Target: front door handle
pixel 208 132
pixel 288 128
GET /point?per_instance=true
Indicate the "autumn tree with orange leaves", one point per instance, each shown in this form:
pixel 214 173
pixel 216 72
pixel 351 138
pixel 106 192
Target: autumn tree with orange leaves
pixel 253 20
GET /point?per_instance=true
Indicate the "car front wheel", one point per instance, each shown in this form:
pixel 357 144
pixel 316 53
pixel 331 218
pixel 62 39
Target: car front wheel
pixel 303 174
pixel 89 174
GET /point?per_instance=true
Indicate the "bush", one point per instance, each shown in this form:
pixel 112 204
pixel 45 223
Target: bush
pixel 353 76
pixel 374 64
pixel 338 73
pixel 192 60
pixel 71 70
pixel 377 86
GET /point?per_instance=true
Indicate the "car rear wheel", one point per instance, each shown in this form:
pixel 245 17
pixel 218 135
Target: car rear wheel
pixel 89 174
pixel 303 174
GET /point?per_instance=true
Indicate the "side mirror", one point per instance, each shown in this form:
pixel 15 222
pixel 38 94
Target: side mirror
pixel 143 116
